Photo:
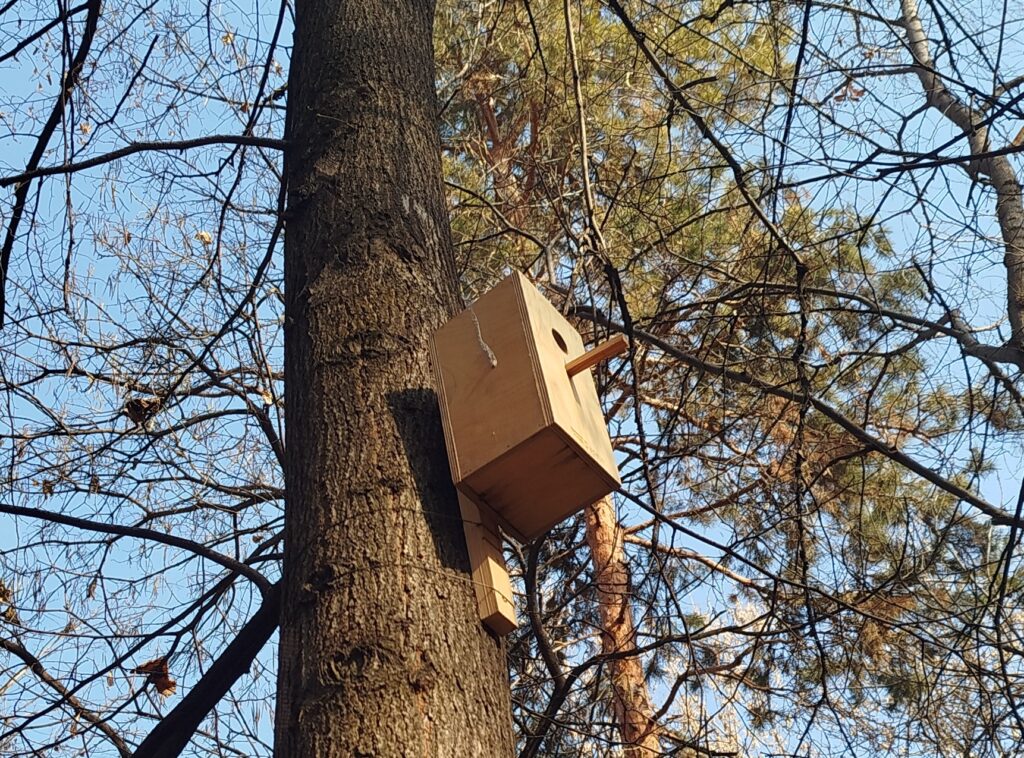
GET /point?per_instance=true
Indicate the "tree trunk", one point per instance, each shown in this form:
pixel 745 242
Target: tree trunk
pixel 382 653
pixel 632 703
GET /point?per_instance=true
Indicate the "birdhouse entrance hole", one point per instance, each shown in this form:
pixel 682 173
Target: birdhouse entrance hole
pixel 560 342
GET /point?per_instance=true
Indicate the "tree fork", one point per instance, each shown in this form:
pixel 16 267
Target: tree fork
pixel 381 649
pixel 172 734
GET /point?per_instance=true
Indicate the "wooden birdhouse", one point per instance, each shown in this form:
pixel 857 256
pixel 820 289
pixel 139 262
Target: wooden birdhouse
pixel 526 437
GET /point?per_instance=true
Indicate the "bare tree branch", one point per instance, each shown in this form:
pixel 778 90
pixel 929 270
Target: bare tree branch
pixel 144 147
pixel 44 676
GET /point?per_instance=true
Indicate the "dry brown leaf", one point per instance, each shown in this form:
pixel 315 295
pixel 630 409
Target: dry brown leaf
pixel 158 674
pixel 142 409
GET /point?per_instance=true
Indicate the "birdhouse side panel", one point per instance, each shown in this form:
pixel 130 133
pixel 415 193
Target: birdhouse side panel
pixel 573 401
pixel 487 384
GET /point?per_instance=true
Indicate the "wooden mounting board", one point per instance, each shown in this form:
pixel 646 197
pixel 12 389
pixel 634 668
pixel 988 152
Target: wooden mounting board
pixel 491 583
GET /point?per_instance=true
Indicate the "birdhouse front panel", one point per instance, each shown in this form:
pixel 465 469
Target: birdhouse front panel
pixel 524 439
pixel 573 401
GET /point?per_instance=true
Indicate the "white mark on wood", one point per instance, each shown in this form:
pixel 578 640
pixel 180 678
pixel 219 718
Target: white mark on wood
pixel 480 338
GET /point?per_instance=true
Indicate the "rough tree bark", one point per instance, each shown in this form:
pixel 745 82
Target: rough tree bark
pixel 632 705
pixel 382 653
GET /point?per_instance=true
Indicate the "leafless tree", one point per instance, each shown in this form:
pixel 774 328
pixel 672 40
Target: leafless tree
pixel 805 219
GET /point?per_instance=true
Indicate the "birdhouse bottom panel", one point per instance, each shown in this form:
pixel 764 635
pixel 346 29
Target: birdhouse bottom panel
pixel 538 483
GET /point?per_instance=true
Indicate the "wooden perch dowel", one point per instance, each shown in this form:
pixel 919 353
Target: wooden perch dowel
pixel 604 351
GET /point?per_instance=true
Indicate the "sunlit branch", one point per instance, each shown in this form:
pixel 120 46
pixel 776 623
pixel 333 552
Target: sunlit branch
pixel 144 147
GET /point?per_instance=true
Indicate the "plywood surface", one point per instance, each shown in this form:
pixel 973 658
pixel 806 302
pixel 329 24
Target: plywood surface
pixel 524 438
pixel 573 401
pixel 491 583
pixel 537 485
pixel 487 409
